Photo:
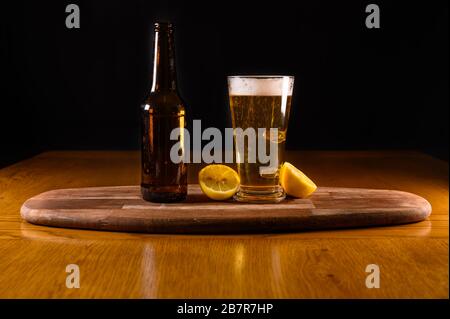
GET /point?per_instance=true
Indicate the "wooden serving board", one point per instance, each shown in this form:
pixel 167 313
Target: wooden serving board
pixel 121 208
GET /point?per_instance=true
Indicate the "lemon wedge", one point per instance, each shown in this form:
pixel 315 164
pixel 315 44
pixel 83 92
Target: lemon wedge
pixel 295 182
pixel 218 182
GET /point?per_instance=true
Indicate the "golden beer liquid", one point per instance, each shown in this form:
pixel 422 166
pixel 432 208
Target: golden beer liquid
pixel 259 112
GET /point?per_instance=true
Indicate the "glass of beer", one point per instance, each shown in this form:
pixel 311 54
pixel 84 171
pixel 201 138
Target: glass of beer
pixel 260 107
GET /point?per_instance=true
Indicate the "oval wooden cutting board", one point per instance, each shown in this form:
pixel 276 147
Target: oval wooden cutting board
pixel 121 208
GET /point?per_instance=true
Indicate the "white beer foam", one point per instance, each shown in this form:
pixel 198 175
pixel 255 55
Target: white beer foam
pixel 261 85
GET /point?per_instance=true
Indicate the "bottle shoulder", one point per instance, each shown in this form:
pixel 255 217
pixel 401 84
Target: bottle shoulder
pixel 163 102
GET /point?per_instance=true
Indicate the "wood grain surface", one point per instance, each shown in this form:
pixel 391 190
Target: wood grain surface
pixel 413 258
pixel 121 208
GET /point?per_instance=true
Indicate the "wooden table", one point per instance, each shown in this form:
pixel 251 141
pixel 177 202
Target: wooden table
pixel 413 259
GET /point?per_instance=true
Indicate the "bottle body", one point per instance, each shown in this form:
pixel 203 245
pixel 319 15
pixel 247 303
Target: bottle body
pixel 162 179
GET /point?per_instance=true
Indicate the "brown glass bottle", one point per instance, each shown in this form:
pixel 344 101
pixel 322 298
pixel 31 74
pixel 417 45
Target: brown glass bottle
pixel 162 180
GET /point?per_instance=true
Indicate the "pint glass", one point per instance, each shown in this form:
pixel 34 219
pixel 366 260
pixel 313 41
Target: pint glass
pixel 260 108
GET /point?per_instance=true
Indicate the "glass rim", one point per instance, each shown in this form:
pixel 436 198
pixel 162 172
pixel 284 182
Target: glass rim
pixel 260 76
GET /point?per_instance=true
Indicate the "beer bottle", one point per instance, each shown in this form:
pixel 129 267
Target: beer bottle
pixel 162 180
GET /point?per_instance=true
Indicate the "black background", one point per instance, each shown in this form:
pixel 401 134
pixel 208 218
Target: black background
pixel 356 88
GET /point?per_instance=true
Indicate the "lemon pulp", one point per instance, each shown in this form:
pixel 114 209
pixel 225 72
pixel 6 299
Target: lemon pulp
pixel 218 182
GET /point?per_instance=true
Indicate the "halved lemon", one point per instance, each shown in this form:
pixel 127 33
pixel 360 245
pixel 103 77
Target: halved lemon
pixel 218 182
pixel 295 182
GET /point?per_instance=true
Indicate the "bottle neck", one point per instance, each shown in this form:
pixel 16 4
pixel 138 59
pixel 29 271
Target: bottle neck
pixel 164 76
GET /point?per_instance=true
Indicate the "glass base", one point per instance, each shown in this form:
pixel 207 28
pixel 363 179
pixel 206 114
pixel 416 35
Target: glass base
pixel 260 195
